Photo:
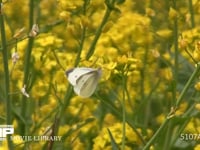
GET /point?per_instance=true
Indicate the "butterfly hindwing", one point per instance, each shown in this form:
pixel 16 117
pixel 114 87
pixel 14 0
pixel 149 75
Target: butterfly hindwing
pixel 84 80
pixel 74 74
pixel 86 85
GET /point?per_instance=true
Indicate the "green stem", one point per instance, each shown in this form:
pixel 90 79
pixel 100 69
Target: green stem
pixel 186 87
pixel 168 136
pixel 98 32
pixel 176 71
pixel 180 98
pixel 191 14
pixel 82 40
pixel 6 71
pixel 176 68
pixel 142 85
pixel 156 134
pixel 118 113
pixel 24 128
pixel 187 118
pixel 80 47
pixel 123 114
pixel 68 94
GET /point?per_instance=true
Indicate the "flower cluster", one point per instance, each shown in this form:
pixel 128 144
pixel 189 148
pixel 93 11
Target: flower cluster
pixel 146 52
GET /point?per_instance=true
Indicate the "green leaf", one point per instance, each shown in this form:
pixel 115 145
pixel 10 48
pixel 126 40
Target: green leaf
pixel 113 142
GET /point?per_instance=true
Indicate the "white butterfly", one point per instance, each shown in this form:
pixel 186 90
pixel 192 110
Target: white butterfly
pixel 84 80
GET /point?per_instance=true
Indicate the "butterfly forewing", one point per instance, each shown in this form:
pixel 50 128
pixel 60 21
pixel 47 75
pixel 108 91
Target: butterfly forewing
pixel 74 74
pixel 84 80
pixel 87 84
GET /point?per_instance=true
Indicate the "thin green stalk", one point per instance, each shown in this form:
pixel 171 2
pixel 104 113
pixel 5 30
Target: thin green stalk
pixel 43 29
pixel 142 84
pixel 80 47
pixel 148 101
pixel 98 32
pixel 6 71
pixel 118 113
pixel 143 72
pixel 69 90
pixel 186 87
pixel 168 136
pixel 180 98
pixel 24 128
pixel 82 40
pixel 187 116
pixel 123 114
pixel 176 71
pixel 159 131
pixel 191 13
pixel 176 52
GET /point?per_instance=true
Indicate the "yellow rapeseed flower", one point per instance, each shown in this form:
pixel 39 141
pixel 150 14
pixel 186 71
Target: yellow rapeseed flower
pixel 182 108
pixel 197 106
pixel 166 73
pixel 45 109
pixel 109 119
pixel 46 40
pixel 172 13
pixel 191 126
pixel 160 119
pixel 17 140
pixel 165 33
pixel 196 52
pixel 70 5
pixel 197 86
pixel 196 55
pixel 65 15
pixel 150 12
pixel 132 136
pixel 102 141
pixel 197 147
pixel 4 144
pixel 77 144
pixel 63 129
pixel 183 44
pixel 40 88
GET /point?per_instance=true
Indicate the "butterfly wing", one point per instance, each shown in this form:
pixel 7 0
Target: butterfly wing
pixel 74 74
pixel 87 83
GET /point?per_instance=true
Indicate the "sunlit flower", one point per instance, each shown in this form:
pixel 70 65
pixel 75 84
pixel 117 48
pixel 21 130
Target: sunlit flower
pixel 196 55
pixel 166 73
pixel 150 12
pixel 155 53
pixel 160 119
pixel 182 108
pixel 172 13
pixel 197 147
pixel 135 51
pixel 17 140
pixel 65 15
pixel 192 126
pixel 197 106
pixel 103 141
pixel 197 86
pixel 183 43
pixel 165 33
